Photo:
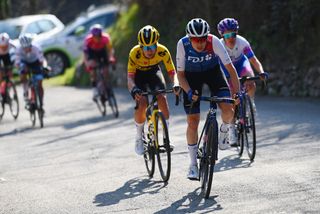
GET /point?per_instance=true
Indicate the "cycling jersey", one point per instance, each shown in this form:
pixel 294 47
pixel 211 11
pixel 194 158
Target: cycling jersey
pixel 190 60
pixel 137 61
pixel 6 51
pixel 91 43
pixel 239 55
pixel 33 55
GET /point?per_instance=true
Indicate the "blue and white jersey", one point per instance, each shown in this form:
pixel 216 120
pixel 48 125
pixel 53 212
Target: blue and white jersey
pixel 29 57
pixel 189 60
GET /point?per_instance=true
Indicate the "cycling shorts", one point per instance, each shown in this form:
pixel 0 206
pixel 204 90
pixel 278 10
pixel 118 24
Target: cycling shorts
pixel 98 55
pixel 150 79
pixel 216 82
pixel 6 61
pixel 35 67
pixel 242 67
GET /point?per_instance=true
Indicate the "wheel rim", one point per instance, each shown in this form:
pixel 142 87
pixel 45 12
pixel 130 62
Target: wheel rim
pixel 13 102
pixel 56 62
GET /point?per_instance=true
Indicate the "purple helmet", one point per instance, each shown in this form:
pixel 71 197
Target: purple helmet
pixel 96 30
pixel 227 24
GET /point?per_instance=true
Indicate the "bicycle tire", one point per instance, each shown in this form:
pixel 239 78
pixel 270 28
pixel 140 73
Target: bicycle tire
pixel 101 104
pixel 162 146
pixel 249 127
pixel 13 100
pixel 2 110
pixel 149 156
pixel 39 106
pixel 113 103
pixel 32 115
pixel 239 130
pixel 209 159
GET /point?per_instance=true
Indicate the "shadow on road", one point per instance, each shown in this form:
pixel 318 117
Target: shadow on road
pixel 231 162
pixel 193 202
pixel 132 188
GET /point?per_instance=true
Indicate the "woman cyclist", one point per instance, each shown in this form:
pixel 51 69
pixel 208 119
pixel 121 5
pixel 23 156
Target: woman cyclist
pixel 144 72
pixel 240 52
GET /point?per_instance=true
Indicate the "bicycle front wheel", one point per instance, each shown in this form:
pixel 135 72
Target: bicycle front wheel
pixel 249 136
pixel 39 107
pixel 101 104
pixel 163 146
pixel 1 106
pixel 148 157
pixel 113 103
pixel 208 160
pixel 239 129
pixel 13 100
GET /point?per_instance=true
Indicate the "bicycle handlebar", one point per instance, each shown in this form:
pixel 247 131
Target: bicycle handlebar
pixel 217 99
pixel 161 91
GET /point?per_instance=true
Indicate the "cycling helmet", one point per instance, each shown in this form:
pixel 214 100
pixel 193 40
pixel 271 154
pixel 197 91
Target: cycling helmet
pixel 4 39
pixel 96 30
pixel 197 28
pixel 25 40
pixel 148 35
pixel 227 24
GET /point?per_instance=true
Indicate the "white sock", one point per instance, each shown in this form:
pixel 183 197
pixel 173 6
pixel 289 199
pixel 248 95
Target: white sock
pixel 25 88
pixel 193 149
pixel 231 130
pixel 224 127
pixel 139 129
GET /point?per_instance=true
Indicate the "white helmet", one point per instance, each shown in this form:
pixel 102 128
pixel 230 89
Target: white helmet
pixel 197 28
pixel 4 39
pixel 25 40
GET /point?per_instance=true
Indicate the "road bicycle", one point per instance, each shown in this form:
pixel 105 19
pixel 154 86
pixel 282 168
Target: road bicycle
pixel 106 92
pixel 245 121
pixel 35 100
pixel 208 144
pixel 8 95
pixel 157 142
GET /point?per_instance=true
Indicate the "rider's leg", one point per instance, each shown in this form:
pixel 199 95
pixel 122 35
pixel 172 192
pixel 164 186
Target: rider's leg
pixel 140 118
pixel 163 105
pixel 24 81
pixel 192 139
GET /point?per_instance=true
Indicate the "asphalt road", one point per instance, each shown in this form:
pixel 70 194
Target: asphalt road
pixel 81 162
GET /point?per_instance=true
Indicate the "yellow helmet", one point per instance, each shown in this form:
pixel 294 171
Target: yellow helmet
pixel 148 35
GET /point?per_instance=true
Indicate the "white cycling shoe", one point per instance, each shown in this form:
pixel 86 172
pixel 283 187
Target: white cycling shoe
pixel 139 147
pixel 193 173
pixel 223 135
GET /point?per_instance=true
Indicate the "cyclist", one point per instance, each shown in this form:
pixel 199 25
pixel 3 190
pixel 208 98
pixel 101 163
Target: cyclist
pixel 241 54
pixel 5 58
pixel 144 72
pixel 29 57
pixel 98 49
pixel 198 57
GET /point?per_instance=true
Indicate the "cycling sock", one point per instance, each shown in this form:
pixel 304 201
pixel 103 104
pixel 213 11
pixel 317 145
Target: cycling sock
pixel 139 128
pixel 193 149
pixel 224 127
pixel 25 88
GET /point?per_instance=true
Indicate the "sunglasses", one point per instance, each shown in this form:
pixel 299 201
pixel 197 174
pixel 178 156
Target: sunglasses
pixel 230 35
pixel 149 48
pixel 198 39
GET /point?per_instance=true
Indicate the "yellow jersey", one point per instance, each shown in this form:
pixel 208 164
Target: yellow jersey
pixel 137 61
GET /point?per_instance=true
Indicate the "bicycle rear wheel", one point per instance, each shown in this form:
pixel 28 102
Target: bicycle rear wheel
pixel 163 146
pixel 113 103
pixel 33 115
pixel 249 133
pixel 210 154
pixel 13 100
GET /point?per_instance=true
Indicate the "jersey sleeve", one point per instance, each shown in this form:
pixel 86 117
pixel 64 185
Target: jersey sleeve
pixel 247 50
pixel 180 56
pixel 131 63
pixel 220 50
pixel 167 60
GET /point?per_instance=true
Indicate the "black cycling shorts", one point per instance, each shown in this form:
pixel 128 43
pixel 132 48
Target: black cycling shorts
pixel 150 79
pixel 98 55
pixel 5 60
pixel 216 82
